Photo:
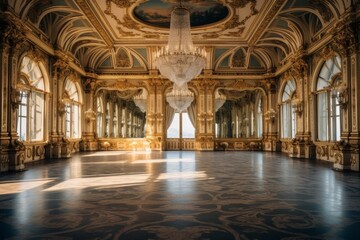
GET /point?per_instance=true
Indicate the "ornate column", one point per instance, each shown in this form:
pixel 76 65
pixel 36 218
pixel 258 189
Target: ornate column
pixel 88 141
pixel 156 112
pixel 346 151
pixel 4 88
pixel 302 146
pixel 12 151
pixel 205 130
pixel 57 143
pixel 271 116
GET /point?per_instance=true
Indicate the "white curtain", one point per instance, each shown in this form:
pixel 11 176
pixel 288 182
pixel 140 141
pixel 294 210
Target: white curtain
pixel 192 113
pixel 170 113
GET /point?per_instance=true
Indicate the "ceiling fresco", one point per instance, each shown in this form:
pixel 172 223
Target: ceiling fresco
pixel 157 12
pixel 150 19
pixel 242 37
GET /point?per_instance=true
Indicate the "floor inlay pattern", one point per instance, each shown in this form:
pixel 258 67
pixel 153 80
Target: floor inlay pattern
pixel 180 195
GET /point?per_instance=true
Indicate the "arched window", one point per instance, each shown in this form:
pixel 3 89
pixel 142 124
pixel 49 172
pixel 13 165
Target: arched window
pixel 115 121
pixel 288 116
pixel 107 120
pixel 99 116
pixel 328 107
pixel 72 110
pixel 30 116
pixel 259 118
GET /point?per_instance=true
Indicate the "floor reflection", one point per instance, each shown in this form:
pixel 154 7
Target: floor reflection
pixel 96 182
pixel 10 187
pixel 194 195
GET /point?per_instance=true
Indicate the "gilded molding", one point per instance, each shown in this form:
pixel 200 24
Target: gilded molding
pixel 268 19
pixel 122 3
pixel 344 40
pixel 93 19
pixel 299 68
pixel 325 13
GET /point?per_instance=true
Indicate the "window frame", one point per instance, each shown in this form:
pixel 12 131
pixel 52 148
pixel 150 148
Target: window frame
pixel 329 94
pixel 288 117
pixel 31 86
pixel 72 102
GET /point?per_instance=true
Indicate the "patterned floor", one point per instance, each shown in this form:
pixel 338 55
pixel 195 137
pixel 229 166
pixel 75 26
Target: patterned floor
pixel 180 195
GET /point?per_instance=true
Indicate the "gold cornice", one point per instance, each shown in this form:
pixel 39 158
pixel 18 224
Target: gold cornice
pixel 94 21
pixel 266 21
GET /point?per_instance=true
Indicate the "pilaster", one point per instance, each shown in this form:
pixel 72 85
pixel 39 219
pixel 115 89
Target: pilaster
pixel 89 143
pixel 205 121
pixel 155 117
pixel 12 151
pixel 347 150
pixel 271 116
pixel 57 145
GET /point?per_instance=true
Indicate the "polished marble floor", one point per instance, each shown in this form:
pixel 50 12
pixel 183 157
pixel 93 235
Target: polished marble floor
pixel 180 195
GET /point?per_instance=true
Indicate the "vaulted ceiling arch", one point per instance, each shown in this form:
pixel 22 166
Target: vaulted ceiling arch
pixel 304 10
pixel 270 32
pixel 71 13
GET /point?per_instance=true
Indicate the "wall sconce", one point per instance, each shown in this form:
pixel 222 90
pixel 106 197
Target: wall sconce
pixel 16 97
pixel 342 96
pixel 270 115
pixel 297 105
pixel 90 115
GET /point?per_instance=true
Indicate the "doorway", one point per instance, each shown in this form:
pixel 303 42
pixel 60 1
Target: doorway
pixel 181 133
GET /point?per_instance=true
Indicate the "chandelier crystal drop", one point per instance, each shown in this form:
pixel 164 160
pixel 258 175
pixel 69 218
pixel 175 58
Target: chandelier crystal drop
pixel 219 100
pixel 140 101
pixel 180 61
pixel 180 98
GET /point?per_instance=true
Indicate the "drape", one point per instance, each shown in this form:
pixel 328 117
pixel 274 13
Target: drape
pixel 192 113
pixel 170 113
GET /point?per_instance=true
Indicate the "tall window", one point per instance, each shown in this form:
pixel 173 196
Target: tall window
pixel 181 126
pixel 72 110
pixel 288 116
pixel 30 116
pixel 328 107
pixel 99 116
pixel 115 121
pixel 259 118
pixel 107 120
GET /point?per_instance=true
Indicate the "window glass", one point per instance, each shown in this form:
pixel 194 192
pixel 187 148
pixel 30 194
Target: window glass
pixel 174 129
pixel 99 119
pixel 328 107
pixel 322 116
pixel 288 116
pixel 30 115
pixel 72 111
pixel 188 130
pixel 259 119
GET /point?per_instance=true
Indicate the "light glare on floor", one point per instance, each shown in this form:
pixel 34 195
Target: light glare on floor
pixel 21 186
pixel 81 183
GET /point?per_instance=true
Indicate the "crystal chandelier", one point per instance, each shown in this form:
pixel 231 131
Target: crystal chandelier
pixel 180 98
pixel 140 101
pixel 219 100
pixel 180 61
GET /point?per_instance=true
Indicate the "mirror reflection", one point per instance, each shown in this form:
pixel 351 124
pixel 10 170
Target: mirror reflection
pixel 121 114
pixel 238 114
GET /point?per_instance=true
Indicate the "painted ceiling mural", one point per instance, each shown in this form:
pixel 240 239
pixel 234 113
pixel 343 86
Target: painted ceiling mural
pixel 242 37
pixel 150 19
pixel 157 12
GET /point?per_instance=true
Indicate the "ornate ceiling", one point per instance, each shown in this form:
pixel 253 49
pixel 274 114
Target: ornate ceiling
pixel 242 37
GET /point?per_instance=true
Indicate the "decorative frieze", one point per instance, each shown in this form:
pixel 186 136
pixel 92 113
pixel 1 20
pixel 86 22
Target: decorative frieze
pixel 344 40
